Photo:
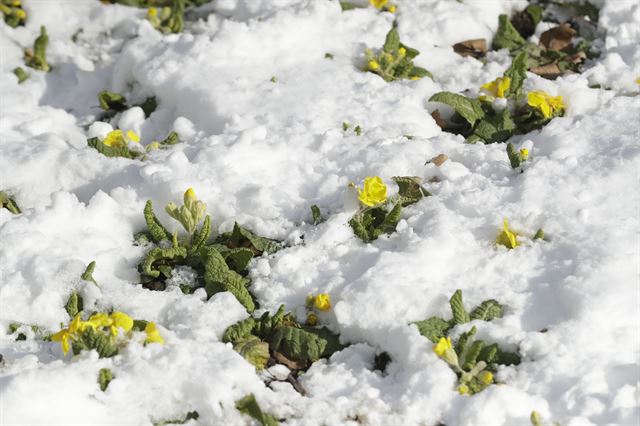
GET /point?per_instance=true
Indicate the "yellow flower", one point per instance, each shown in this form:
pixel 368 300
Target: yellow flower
pixel 402 52
pixel 392 8
pixel 63 336
pixel 415 77
pixel 323 302
pixel 545 103
pixel 153 335
pixel 507 237
pixel 76 325
pixel 524 154
pixel 189 196
pixel 463 389
pixel 486 377
pixel 132 136
pixel 16 3
pixel 378 4
pixel 312 319
pixel 374 193
pixel 373 65
pixel 442 346
pixel 120 320
pixel 152 12
pixel 115 139
pixel 498 87
pixel 20 14
pixel 98 321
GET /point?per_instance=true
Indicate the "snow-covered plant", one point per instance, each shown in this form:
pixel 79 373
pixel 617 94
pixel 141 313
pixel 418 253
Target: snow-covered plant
pixel 220 265
pixel 473 361
pixel 509 238
pixel 37 58
pixel 118 143
pixel 249 406
pixel 282 338
pixel 21 74
pixel 13 12
pixel 395 60
pixel 168 19
pixel 112 103
pixel 106 333
pixel 105 376
pixel 500 111
pixel 516 158
pixel 7 202
pixel 319 302
pixel 375 216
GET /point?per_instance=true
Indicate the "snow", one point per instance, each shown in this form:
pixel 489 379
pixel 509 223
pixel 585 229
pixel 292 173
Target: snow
pixel 261 153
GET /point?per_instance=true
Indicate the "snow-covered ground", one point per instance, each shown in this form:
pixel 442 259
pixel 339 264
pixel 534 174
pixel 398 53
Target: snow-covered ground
pixel 261 152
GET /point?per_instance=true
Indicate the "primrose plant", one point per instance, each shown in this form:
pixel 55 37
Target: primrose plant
pixel 395 60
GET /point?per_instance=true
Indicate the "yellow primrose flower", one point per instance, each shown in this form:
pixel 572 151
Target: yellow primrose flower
pixel 378 4
pixel 120 320
pixel 132 136
pixel 486 377
pixel 323 302
pixel 498 87
pixel 524 154
pixel 507 237
pixel 20 14
pixel 312 319
pixel 463 389
pixel 545 103
pixel 373 65
pixel 153 335
pixel 63 336
pixel 189 196
pixel 402 52
pixel 76 324
pixel 152 12
pixel 415 77
pixel 392 8
pixel 115 139
pixel 97 321
pixel 374 193
pixel 442 346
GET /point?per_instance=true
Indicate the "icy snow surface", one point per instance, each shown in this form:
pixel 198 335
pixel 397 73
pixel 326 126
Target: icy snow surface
pixel 261 153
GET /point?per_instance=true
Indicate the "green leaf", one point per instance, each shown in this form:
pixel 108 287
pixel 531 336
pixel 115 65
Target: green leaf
pixel 112 101
pixel 87 275
pixel 489 354
pixel 392 219
pixel 253 350
pixel 249 406
pixel 392 41
pixel 171 139
pixel 157 231
pixel 495 128
pixel 411 52
pixel 191 415
pixel 517 72
pixel 267 324
pixel 74 304
pixel 140 325
pixel 39 59
pixel 91 339
pixel 21 74
pixel 433 328
pixel 539 235
pixel 162 256
pixel 469 109
pixel 487 311
pixel 112 151
pixel 460 314
pixel 218 277
pixel 105 376
pixel 148 107
pixel 9 203
pixel 296 343
pixel 535 12
pixel 471 354
pixel 464 339
pixel 514 156
pixel 419 72
pixel 333 340
pixel 410 189
pixel 200 237
pixel 176 20
pixel 508 358
pixel 347 5
pixel 507 36
pixel 241 237
pixel 316 215
pixel 239 330
pixel 359 229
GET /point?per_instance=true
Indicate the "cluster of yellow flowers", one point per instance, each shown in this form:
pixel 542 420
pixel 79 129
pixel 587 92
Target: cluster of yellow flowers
pixel 540 100
pixel 320 302
pixel 444 349
pixel 383 5
pixel 495 89
pixel 103 322
pixel 118 139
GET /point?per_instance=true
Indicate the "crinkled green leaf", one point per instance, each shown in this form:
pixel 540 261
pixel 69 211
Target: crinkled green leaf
pixel 191 415
pixel 471 354
pixel 514 156
pixel 255 351
pixel 242 237
pixel 333 340
pixel 105 376
pixel 112 101
pixel 392 219
pixel 91 339
pixel 392 41
pixel 316 215
pixel 201 236
pixel 112 151
pixel 469 109
pixel 496 127
pixel 87 275
pixel 249 406
pixel 433 328
pixel 39 59
pixel 239 330
pixel 410 189
pixel 218 277
pixel 357 224
pixel 296 343
pixel 155 255
pixel 517 72
pixel 487 311
pixel 535 12
pixel 460 314
pixel 74 304
pixel 489 354
pixel 157 231
pixel 462 341
pixel 21 74
pixel 171 139
pixel 267 323
pixel 419 72
pixel 507 36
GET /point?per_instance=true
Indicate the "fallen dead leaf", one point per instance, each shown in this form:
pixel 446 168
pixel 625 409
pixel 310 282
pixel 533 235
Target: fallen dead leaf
pixel 558 38
pixel 475 48
pixel 550 71
pixel 439 159
pixel 438 119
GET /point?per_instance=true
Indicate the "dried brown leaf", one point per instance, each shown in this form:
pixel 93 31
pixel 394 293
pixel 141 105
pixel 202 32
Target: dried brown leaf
pixel 475 48
pixel 438 119
pixel 550 71
pixel 439 159
pixel 558 38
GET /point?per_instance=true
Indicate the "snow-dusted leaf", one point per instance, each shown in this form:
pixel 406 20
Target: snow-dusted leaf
pixel 433 328
pixel 218 277
pixel 469 109
pixel 460 314
pixel 249 406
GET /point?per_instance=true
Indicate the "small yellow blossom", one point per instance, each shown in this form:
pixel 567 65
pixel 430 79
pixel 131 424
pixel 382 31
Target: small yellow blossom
pixel 402 52
pixel 120 320
pixel 524 154
pixel 323 302
pixel 442 346
pixel 378 4
pixel 20 14
pixel 463 389
pixel 132 136
pixel 115 139
pixel 312 319
pixel 189 196
pixel 98 321
pixel 76 325
pixel 545 103
pixel 373 65
pixel 392 8
pixel 153 335
pixel 63 336
pixel 486 377
pixel 374 193
pixel 498 87
pixel 152 12
pixel 415 77
pixel 507 237
pixel 16 3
